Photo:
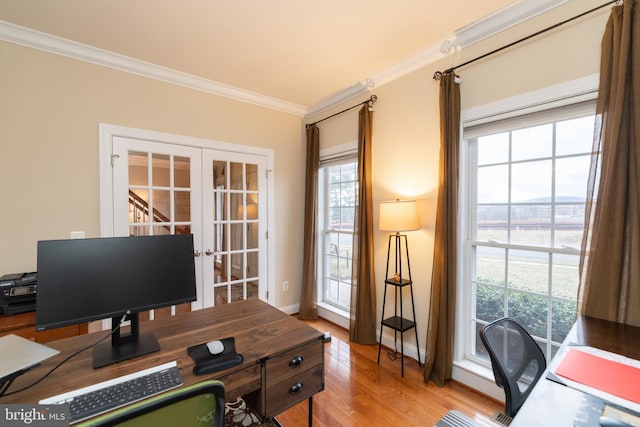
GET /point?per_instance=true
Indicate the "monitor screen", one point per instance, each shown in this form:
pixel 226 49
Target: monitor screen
pixel 82 280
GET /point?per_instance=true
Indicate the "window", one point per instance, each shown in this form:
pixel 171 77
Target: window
pixel 338 198
pixel 525 199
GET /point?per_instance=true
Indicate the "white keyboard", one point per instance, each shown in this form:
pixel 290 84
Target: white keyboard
pixel 108 395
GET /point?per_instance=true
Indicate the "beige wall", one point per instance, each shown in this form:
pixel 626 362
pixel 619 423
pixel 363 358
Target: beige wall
pixel 406 122
pixel 50 108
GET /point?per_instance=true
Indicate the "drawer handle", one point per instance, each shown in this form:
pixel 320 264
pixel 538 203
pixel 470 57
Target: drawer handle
pixel 296 361
pixel 295 388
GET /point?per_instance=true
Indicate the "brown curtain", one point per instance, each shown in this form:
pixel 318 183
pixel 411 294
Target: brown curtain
pixel 363 284
pixel 440 329
pixel 610 266
pixel 308 306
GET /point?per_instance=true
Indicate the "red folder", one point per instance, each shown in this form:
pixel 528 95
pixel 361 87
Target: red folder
pixel 602 374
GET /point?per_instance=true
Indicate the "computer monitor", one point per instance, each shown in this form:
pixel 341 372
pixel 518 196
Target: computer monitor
pixel 83 280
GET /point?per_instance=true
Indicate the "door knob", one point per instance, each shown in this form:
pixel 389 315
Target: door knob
pixel 197 254
pixel 208 252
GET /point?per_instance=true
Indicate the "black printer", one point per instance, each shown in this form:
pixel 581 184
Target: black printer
pixel 18 293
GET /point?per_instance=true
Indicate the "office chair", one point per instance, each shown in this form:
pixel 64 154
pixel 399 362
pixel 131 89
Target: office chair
pixel 200 404
pixel 516 359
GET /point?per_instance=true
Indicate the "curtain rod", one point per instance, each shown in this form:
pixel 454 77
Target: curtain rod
pixel 372 100
pixel 438 74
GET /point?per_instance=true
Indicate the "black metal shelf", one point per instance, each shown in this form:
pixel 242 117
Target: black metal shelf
pixel 398 323
pixel 398 282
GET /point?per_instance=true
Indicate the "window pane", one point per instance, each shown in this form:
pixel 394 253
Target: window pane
pixel 565 275
pixel 569 226
pixel 490 265
pixel 528 270
pixel 531 225
pixel 571 178
pixel 564 315
pixel 493 184
pixel 530 310
pixel 493 148
pixel 489 302
pixel 531 181
pixel 574 136
pixel 532 143
pixel 493 223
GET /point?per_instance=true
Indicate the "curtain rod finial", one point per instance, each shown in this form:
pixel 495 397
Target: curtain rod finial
pixel 437 75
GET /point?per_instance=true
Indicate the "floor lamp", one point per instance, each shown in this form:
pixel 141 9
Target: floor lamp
pixel 398 216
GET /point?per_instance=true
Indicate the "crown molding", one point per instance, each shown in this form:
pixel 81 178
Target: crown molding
pixel 512 15
pixel 508 17
pixel 60 46
pixel 466 36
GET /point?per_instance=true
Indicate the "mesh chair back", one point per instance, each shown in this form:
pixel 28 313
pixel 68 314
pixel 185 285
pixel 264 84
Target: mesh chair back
pixel 516 359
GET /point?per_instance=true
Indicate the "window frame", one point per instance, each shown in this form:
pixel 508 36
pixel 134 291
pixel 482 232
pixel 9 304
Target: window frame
pixel 334 156
pixel 466 369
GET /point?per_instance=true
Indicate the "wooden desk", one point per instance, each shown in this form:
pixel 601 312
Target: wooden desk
pixel 552 404
pixel 267 338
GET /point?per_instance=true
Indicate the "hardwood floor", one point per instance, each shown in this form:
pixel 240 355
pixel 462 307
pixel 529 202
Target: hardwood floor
pixel 359 392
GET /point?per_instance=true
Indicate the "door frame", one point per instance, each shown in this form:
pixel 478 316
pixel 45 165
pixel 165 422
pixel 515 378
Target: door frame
pixel 108 131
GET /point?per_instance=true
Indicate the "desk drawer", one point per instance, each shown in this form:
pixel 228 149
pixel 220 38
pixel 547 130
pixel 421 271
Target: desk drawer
pixel 241 382
pixel 295 389
pixel 291 363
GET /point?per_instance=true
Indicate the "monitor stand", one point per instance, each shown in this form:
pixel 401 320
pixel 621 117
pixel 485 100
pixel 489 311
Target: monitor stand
pixel 123 347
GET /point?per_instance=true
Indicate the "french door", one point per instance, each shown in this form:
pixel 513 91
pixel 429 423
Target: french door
pixel 219 196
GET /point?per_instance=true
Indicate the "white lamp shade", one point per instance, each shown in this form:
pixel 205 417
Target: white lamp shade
pixel 399 215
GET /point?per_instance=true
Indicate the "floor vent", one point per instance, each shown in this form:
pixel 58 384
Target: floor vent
pixel 501 418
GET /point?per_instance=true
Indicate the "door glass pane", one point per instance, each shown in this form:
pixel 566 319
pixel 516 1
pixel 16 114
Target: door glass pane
pixel 161 230
pixel 236 206
pixel 252 264
pixel 252 289
pixel 138 168
pixel 219 211
pixel 237 292
pixel 252 236
pixel 161 206
pixel 237 266
pixel 220 295
pixel 252 177
pixel 219 175
pixel 236 176
pixel 160 170
pixel 182 172
pixel 236 237
pixel 182 205
pixel 136 230
pixel 220 269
